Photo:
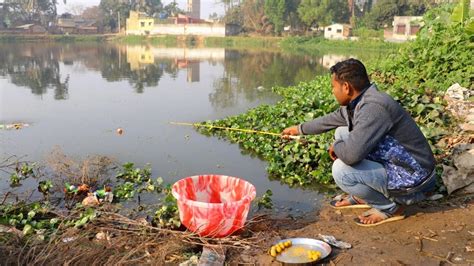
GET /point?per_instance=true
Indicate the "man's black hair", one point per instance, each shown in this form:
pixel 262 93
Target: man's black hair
pixel 353 72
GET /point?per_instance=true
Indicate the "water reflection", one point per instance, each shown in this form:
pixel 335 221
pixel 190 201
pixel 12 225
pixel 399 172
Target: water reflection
pixel 35 67
pixel 38 67
pixel 328 60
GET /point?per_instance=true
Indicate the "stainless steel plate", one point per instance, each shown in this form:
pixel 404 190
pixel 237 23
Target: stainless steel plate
pixel 295 253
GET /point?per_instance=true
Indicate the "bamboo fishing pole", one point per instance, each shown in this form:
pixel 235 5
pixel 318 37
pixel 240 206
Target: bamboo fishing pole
pixel 233 129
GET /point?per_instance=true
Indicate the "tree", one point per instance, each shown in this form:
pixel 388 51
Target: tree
pixel 29 11
pixel 275 10
pixel 151 7
pixel 234 16
pixel 110 10
pixel 292 14
pixel 171 9
pixel 92 12
pixel 323 12
pixel 253 13
pixel 76 9
pixel 383 11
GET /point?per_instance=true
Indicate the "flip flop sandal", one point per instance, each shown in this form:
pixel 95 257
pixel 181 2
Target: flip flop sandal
pixel 387 217
pixel 353 203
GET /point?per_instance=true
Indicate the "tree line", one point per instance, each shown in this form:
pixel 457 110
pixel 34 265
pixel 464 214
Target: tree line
pixel 273 16
pixel 107 14
pixel 254 16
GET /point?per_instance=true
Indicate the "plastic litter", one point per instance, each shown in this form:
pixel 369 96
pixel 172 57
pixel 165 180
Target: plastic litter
pixel 90 200
pixel 69 239
pixel 331 240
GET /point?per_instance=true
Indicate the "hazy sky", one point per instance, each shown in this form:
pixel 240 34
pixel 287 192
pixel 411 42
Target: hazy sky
pixel 207 6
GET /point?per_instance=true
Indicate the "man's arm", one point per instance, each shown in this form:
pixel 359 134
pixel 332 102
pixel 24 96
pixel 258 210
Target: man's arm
pixel 372 123
pixel 324 123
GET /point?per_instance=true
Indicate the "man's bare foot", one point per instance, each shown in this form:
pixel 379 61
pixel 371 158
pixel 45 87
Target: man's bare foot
pixel 377 217
pixel 347 202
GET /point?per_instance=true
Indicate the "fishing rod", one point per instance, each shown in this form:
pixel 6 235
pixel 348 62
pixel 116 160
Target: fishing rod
pixel 233 129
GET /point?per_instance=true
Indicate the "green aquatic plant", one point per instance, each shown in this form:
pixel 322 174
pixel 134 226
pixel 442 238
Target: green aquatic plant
pixel 417 77
pixel 266 200
pixel 45 186
pixel 167 215
pixel 22 172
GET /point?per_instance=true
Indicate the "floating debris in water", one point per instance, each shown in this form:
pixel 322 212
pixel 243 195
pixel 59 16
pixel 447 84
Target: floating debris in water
pixel 14 126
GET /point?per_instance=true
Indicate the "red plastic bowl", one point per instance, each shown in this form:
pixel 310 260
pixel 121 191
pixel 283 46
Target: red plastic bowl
pixel 213 205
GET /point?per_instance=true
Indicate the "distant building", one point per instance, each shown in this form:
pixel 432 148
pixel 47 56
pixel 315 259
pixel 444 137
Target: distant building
pixel 31 29
pixel 139 23
pixel 404 28
pixel 338 31
pixel 183 19
pixel 75 25
pixel 194 8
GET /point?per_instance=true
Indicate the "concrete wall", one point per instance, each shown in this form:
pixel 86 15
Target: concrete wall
pixel 204 29
pixel 217 30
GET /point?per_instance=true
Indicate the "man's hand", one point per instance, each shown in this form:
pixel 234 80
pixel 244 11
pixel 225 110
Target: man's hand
pixel 290 131
pixel 331 153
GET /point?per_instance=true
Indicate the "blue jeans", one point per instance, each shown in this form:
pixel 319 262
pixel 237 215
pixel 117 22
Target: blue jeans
pixel 367 180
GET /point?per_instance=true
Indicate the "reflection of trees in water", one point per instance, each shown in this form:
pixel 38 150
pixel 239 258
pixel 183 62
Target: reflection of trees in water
pixel 114 67
pixel 35 67
pixel 244 72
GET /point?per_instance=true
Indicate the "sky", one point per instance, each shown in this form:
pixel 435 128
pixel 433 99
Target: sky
pixel 207 6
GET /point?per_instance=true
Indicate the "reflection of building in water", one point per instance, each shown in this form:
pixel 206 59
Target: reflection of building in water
pixel 139 56
pixel 192 67
pixel 193 72
pixel 330 60
pixel 183 58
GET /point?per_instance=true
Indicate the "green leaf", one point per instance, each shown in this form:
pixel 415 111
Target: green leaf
pixel 470 27
pixel 28 229
pixel 31 214
pixel 460 12
pixel 419 108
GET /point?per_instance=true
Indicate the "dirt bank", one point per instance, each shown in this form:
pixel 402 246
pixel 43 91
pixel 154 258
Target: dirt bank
pixel 434 233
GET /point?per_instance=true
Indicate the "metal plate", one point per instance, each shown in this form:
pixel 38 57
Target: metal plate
pixel 293 254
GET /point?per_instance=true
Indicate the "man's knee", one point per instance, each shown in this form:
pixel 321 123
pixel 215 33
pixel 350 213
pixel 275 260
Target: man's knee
pixel 338 171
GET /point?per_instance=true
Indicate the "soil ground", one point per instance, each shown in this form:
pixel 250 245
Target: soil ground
pixel 434 233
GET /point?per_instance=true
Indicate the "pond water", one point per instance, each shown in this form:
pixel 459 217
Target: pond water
pixel 75 96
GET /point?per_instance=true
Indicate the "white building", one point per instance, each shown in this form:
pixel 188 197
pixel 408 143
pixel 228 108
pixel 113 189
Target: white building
pixel 404 28
pixel 337 31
